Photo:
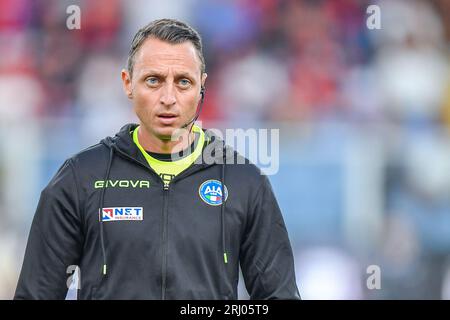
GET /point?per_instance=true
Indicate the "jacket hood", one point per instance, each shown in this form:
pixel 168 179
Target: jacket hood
pixel 213 150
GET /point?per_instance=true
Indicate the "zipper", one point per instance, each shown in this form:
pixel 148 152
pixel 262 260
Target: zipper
pixel 164 226
pixel 164 243
pixel 165 215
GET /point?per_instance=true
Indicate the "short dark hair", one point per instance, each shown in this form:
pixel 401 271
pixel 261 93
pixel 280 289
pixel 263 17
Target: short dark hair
pixel 169 30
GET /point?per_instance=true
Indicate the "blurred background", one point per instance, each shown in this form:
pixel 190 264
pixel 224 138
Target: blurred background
pixel 364 120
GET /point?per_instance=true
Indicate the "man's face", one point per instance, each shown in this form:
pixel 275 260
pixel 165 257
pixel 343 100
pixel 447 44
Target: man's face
pixel 165 86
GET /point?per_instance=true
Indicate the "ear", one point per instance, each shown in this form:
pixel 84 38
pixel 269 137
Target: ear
pixel 204 76
pixel 126 82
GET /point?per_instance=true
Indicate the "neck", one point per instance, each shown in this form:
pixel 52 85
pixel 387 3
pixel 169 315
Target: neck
pixel 155 144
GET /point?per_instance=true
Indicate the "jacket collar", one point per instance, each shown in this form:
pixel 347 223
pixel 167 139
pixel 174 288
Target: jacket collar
pixel 212 152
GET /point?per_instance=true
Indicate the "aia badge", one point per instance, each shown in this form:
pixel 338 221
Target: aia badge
pixel 122 214
pixel 211 192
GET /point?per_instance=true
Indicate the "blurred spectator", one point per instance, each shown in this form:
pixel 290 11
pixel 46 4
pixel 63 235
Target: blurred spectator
pixel 412 68
pixel 327 273
pixel 264 82
pixel 101 99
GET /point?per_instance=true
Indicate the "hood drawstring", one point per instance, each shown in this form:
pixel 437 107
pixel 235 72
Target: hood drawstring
pixel 222 205
pixel 228 286
pixel 222 208
pixel 102 196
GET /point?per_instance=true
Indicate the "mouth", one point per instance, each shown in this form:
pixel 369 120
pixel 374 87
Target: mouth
pixel 167 118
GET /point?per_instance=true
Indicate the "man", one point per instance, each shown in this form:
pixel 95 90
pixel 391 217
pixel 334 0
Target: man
pixel 145 215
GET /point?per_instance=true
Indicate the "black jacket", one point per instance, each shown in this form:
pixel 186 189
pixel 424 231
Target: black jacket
pixel 177 250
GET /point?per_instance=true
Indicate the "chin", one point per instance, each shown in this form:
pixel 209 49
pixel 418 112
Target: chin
pixel 165 133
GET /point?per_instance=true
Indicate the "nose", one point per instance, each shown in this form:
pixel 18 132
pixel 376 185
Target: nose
pixel 168 95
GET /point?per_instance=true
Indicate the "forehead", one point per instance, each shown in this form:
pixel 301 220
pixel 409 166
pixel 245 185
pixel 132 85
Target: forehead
pixel 159 55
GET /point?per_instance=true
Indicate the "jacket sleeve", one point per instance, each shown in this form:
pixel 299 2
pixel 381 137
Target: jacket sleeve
pixel 266 256
pixel 55 240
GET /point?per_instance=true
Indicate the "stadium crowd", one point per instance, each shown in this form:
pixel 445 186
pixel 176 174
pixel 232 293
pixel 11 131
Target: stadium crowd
pixel 364 119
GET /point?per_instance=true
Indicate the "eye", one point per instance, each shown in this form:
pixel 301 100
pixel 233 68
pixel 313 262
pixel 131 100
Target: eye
pixel 184 82
pixel 152 81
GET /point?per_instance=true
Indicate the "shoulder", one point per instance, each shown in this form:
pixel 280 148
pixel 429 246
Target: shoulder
pixel 90 158
pixel 244 170
pixel 236 165
pixel 87 161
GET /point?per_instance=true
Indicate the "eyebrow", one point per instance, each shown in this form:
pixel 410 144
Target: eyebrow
pixel 185 75
pixel 147 73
